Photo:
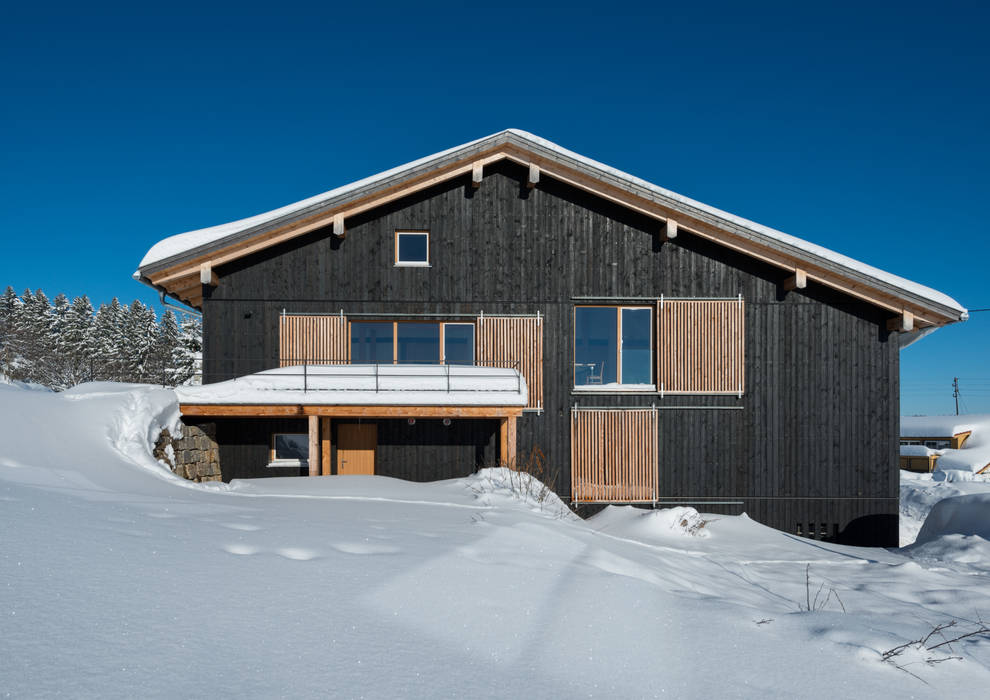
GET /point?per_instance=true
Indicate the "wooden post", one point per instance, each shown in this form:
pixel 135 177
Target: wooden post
pixel 510 452
pixel 314 445
pixel 503 441
pixel 325 439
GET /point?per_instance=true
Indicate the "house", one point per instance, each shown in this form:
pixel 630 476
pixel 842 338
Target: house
pixel 508 295
pixel 946 443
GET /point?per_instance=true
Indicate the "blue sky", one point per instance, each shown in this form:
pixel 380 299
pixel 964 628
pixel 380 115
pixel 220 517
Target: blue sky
pixel 861 127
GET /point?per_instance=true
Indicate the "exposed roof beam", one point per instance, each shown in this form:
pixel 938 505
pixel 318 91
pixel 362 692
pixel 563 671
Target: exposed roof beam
pixel 207 276
pixel 903 323
pixel 477 172
pixel 669 230
pixel 799 280
pixel 534 175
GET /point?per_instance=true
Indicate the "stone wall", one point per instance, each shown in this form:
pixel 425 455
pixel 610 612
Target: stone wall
pixel 194 456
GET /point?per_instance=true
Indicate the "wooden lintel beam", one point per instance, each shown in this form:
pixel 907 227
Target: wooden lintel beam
pixel 477 172
pixel 534 175
pixel 799 280
pixel 338 226
pixel 669 230
pixel 190 290
pixel 904 322
pixel 257 410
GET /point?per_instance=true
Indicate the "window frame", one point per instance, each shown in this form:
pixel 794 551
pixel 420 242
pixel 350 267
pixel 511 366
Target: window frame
pixel 397 262
pixel 618 386
pixel 442 350
pixel 274 461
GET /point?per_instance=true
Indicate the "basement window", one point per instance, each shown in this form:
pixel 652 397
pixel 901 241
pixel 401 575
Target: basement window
pixel 412 248
pixel 289 450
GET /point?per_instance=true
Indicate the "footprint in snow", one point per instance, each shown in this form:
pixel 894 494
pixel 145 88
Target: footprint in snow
pixel 297 554
pixel 243 549
pixel 364 548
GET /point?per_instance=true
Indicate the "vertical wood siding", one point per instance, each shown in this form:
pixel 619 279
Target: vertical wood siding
pixel 701 346
pixel 814 438
pixel 514 342
pixel 614 455
pixel 313 340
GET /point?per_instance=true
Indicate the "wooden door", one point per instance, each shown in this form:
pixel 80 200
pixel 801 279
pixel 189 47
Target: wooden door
pixel 356 444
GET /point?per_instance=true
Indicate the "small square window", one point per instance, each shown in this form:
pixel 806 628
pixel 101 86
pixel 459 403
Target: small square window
pixel 290 449
pixel 412 248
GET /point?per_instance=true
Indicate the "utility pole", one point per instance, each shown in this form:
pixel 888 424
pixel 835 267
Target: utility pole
pixel 955 392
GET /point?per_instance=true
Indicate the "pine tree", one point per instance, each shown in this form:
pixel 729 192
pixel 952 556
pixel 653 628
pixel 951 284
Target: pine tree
pixel 108 342
pixel 9 308
pixel 76 343
pixel 140 336
pixel 189 355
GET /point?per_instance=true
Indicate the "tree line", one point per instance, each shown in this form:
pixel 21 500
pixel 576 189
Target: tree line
pixel 62 343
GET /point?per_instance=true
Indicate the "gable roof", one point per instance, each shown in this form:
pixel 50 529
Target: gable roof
pixel 178 264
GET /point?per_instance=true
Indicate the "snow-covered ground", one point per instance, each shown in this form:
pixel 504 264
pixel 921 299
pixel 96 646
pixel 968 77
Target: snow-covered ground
pixel 118 579
pixel 974 456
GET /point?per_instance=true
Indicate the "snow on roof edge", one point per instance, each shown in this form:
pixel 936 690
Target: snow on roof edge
pixel 188 241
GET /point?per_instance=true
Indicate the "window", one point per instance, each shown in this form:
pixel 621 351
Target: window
pixel 412 343
pixel 412 248
pixel 289 449
pixel 417 343
pixel 613 346
pixel 458 343
pixel 371 343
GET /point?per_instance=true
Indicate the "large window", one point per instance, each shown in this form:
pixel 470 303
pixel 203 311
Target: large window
pixel 412 343
pixel 613 346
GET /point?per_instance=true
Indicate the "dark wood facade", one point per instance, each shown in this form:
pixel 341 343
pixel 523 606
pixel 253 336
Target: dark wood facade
pixel 810 447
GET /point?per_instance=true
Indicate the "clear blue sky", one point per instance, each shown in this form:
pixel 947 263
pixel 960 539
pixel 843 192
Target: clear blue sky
pixel 862 127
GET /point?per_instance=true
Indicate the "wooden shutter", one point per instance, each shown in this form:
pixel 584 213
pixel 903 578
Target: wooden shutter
pixel 516 342
pixel 700 346
pixel 614 455
pixel 320 340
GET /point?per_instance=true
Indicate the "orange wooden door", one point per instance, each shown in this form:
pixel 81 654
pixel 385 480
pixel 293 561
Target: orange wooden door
pixel 356 444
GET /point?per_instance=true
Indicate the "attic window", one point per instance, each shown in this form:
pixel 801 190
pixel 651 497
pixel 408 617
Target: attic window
pixel 412 248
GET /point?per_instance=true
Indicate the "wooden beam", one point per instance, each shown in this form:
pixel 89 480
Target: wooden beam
pixel 669 230
pixel 534 175
pixel 904 322
pixel 264 410
pixel 207 276
pixel 314 446
pixel 799 280
pixel 325 441
pixel 338 226
pixel 477 172
pixel 503 442
pixel 510 452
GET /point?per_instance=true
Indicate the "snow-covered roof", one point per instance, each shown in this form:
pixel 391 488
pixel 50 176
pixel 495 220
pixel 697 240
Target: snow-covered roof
pixel 366 385
pixel 974 456
pixel 185 246
pixel 943 426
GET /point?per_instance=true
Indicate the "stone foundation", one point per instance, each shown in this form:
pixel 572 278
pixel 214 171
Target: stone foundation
pixel 194 456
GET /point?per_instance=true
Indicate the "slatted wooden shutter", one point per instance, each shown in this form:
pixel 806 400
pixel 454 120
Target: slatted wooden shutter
pixel 517 342
pixel 700 346
pixel 614 455
pixel 318 340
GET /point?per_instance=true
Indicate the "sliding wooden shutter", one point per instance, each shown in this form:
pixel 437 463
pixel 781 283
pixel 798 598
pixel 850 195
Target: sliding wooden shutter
pixel 700 346
pixel 516 342
pixel 318 340
pixel 614 455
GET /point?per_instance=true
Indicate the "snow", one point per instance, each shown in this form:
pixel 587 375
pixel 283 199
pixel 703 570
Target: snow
pixel 118 579
pixel 368 385
pixel 975 453
pixel 958 515
pixel 917 451
pixel 191 240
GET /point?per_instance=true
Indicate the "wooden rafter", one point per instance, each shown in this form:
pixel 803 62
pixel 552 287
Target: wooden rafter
pixel 799 280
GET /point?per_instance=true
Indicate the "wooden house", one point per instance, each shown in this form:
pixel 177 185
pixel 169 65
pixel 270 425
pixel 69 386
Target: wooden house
pixel 657 350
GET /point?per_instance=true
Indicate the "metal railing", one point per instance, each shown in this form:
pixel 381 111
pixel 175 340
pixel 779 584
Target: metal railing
pixel 448 378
